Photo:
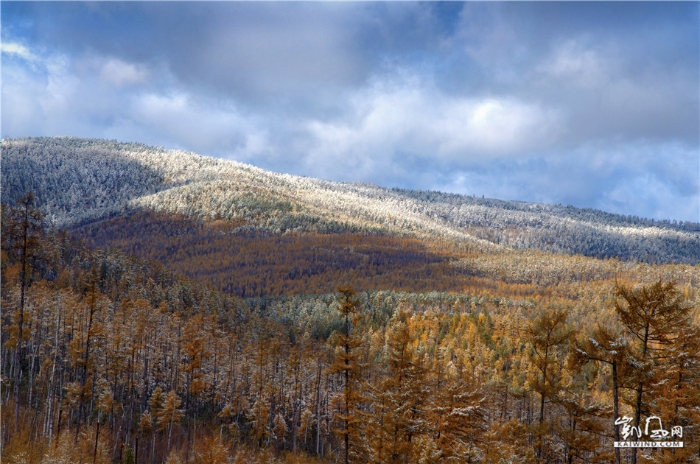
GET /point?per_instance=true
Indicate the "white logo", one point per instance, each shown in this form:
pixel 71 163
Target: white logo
pixel 653 429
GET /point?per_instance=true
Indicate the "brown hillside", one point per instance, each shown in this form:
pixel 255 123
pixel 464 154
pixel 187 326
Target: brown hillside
pixel 251 264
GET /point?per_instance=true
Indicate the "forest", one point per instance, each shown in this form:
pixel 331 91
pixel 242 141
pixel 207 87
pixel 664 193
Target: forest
pixel 112 357
pixel 79 182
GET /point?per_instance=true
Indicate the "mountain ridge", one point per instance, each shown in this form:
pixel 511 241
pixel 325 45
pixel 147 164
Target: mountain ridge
pixel 80 181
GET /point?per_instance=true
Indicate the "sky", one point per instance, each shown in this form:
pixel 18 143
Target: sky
pixel 590 104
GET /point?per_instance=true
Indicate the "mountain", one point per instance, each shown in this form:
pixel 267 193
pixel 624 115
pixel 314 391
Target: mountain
pixel 81 181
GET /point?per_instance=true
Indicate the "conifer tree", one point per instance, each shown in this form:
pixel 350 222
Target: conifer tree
pixel 21 228
pixel 170 414
pixel 400 399
pixel 156 404
pixel 459 410
pixel 347 364
pixel 608 347
pixel 679 401
pixel 260 414
pixel 546 333
pixel 654 315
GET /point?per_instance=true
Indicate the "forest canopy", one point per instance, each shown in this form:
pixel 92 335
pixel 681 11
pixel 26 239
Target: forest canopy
pixel 108 357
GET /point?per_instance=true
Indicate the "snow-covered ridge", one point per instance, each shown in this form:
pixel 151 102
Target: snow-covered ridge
pixel 81 180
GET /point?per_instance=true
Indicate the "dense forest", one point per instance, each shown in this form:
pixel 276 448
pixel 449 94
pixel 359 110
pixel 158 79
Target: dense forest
pixel 80 181
pixel 251 263
pixel 112 357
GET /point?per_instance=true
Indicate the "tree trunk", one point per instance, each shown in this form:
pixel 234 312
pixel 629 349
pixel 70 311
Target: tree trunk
pixel 616 409
pixel 20 320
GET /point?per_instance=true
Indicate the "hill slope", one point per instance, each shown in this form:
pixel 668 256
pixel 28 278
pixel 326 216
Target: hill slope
pixel 81 181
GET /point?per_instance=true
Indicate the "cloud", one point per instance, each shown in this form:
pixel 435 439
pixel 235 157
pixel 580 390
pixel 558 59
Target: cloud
pixel 606 95
pixel 18 50
pixel 111 98
pixel 411 118
pixel 573 63
pixel 49 97
pixel 221 130
pixel 656 180
pixel 119 73
pixel 583 103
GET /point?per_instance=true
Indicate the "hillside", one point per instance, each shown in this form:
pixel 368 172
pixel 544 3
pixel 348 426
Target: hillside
pixel 79 182
pixel 124 360
pixel 455 346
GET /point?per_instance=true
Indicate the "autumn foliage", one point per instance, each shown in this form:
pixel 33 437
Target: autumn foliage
pixel 107 357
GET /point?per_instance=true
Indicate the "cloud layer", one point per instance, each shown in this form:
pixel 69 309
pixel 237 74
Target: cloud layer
pixel 589 104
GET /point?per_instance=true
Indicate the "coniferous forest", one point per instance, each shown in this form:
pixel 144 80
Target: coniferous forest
pixel 166 335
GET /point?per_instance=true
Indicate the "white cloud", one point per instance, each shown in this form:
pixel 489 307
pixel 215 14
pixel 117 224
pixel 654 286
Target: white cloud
pixel 19 50
pixel 20 105
pixel 120 73
pixel 656 180
pixel 213 129
pixel 413 118
pixel 42 96
pixel 658 199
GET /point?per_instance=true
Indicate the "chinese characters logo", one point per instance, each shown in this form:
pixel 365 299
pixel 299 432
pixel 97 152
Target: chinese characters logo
pixel 652 436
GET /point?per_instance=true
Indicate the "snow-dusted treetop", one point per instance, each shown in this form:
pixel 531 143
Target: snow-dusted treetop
pixel 81 180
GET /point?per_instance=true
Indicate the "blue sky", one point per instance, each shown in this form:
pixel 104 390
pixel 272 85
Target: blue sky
pixel 592 104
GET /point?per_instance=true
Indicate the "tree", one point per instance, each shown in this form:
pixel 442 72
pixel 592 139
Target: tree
pixel 458 408
pixel 679 404
pixel 170 414
pixel 400 399
pixel 22 226
pixel 608 347
pixel 545 333
pixel 347 364
pixel 654 315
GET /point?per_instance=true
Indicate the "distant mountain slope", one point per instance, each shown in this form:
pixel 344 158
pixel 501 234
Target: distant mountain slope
pixel 78 181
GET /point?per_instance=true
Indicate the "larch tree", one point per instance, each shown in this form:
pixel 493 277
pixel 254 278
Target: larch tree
pixel 458 409
pixel 347 365
pixel 21 231
pixel 654 315
pixel 605 346
pixel 679 402
pixel 546 333
pixel 399 400
pixel 170 414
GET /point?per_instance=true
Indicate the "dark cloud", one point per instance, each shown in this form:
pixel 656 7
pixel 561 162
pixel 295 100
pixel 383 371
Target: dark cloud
pixel 588 103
